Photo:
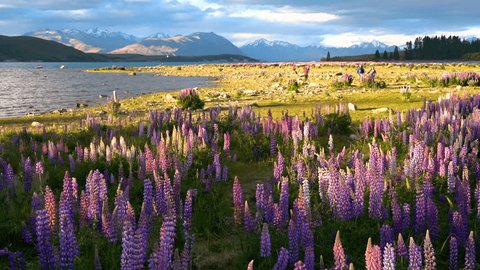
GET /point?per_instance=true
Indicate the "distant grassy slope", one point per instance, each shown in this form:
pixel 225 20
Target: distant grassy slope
pixel 36 49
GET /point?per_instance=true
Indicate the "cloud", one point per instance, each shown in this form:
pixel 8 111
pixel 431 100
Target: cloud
pixel 303 22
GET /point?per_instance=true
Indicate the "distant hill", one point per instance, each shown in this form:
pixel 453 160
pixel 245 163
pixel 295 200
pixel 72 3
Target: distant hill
pixel 37 49
pixel 92 40
pixel 190 45
pixel 28 49
pixel 283 51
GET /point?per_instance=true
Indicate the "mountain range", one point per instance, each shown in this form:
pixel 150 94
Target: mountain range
pixel 197 44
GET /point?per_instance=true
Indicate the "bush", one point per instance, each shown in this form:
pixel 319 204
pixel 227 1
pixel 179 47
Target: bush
pixel 345 81
pixel 293 86
pixel 189 99
pixel 338 123
pixel 370 82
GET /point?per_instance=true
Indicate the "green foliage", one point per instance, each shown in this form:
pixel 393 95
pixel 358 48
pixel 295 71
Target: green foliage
pixel 293 86
pixel 192 102
pixel 338 123
pixel 113 108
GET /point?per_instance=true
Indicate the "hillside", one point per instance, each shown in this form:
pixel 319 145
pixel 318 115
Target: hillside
pixel 36 49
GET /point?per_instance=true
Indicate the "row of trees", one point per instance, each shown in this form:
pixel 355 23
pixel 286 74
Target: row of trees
pixel 395 55
pixel 440 48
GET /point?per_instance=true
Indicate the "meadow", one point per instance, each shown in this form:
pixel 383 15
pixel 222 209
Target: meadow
pixel 288 166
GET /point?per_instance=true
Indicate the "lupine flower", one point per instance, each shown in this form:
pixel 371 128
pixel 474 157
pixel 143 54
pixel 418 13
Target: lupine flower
pixel 282 260
pixel 406 216
pixel 401 247
pixel 162 257
pixel 188 212
pixel 453 262
pixel 66 236
pixel 250 265
pixel 389 257
pixel 415 256
pixel 39 167
pixel 309 258
pixel 265 243
pixel 470 261
pixel 51 207
pixel 248 220
pixel 283 203
pixel 373 256
pixel 292 242
pixel 44 247
pixel 429 253
pixel 128 245
pixel 339 253
pixel 300 266
pixel 237 201
pixel 386 236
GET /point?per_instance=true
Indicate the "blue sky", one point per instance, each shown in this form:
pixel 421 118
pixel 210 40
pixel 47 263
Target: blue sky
pixel 327 22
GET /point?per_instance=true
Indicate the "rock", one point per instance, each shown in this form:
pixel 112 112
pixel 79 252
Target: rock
pixel 169 98
pixel 353 136
pixel 82 105
pixel 37 124
pixel 312 84
pixel 379 110
pixel 351 106
pixel 250 92
pixel 59 111
pixel 102 96
pixel 458 87
pixel 133 73
pixel 338 74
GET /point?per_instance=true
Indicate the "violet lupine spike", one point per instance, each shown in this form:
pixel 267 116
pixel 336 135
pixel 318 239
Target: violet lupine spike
pixel 237 201
pixel 470 261
pixel 188 212
pixel 248 220
pixel 386 236
pixel 51 207
pixel 27 175
pixel 420 210
pixel 108 227
pixel 283 202
pixel 265 243
pixel 373 256
pixel 128 245
pixel 67 240
pixel 293 236
pixel 406 220
pixel 453 260
pixel 396 215
pixel 429 253
pixel 282 261
pixel 44 247
pixel 401 247
pixel 415 256
pixel 389 257
pixel 163 258
pixel 309 258
pixel 339 253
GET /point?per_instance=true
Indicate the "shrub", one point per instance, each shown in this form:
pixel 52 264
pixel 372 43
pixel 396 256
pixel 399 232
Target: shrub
pixel 293 85
pixel 345 81
pixel 461 78
pixel 338 123
pixel 189 99
pixel 370 82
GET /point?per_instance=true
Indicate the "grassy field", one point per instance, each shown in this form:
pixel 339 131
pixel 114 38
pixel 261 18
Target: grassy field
pixel 219 242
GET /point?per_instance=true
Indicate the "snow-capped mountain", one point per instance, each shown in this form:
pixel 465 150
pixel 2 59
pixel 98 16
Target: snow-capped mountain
pixel 92 40
pixel 195 44
pixel 283 51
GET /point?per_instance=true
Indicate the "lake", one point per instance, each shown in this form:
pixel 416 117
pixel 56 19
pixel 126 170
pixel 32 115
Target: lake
pixel 25 89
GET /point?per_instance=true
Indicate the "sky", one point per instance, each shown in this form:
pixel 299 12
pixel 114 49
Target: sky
pixel 338 23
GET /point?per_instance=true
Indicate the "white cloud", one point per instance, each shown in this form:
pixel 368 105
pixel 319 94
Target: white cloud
pixel 348 39
pixel 285 15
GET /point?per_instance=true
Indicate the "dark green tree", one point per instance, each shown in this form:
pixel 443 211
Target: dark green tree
pixel 328 56
pixel 396 54
pixel 377 55
pixel 385 55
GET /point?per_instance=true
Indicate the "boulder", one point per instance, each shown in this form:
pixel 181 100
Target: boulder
pixel 169 98
pixel 351 106
pixel 379 110
pixel 37 124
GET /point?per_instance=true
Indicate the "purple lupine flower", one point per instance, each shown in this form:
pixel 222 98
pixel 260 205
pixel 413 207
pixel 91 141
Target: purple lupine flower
pixel 386 236
pixel 66 233
pixel 429 253
pixel 293 236
pixel 163 258
pixel 27 174
pixel 148 197
pixel 273 144
pixel 453 262
pixel 389 257
pixel 128 244
pixel 44 247
pixel 415 256
pixel 248 220
pixel 283 203
pixel 339 253
pixel 431 218
pixel 401 247
pixel 107 223
pixel 282 261
pixel 470 261
pixel 451 177
pixel 396 215
pixel 265 243
pixel 406 216
pixel 420 215
pixel 237 200
pixel 373 256
pixel 188 212
pixel 458 227
pixel 36 204
pixel 218 167
pixel 309 258
pixel 359 187
pixel 269 209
